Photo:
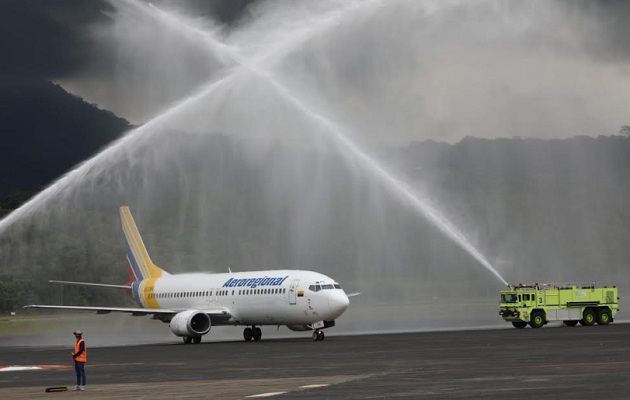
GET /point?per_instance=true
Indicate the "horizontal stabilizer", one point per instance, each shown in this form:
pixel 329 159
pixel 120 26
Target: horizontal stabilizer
pixel 93 284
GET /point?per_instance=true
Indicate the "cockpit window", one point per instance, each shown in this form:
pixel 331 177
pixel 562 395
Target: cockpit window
pixel 315 288
pixel 328 286
pixel 337 286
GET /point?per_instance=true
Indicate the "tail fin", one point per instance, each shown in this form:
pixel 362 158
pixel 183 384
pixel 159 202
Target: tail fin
pixel 141 265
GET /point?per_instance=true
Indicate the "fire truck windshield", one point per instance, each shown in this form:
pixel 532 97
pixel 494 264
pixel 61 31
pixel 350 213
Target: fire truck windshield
pixel 509 298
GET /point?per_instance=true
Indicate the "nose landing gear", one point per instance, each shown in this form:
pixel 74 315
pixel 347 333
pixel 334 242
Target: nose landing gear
pixel 252 333
pixel 318 335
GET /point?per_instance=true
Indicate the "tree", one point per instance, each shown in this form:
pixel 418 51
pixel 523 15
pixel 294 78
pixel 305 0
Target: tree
pixel 625 131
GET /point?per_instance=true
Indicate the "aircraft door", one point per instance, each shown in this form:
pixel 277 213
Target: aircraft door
pixel 293 291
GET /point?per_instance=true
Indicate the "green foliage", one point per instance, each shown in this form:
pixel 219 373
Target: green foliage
pixel 538 203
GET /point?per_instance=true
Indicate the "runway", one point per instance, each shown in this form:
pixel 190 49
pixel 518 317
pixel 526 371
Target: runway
pixel 547 363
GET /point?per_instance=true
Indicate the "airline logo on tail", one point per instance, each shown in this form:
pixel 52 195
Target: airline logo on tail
pixel 137 256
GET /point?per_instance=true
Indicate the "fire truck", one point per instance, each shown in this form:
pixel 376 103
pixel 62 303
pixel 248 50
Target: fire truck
pixel 570 303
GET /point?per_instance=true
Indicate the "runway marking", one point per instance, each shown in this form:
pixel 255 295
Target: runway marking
pixel 314 386
pixel 123 364
pixel 613 364
pixel 13 368
pixel 265 395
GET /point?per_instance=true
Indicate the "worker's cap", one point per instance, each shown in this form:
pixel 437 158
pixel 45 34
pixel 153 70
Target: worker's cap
pixel 78 333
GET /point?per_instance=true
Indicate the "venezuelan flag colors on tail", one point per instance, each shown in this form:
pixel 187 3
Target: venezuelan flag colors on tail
pixel 137 255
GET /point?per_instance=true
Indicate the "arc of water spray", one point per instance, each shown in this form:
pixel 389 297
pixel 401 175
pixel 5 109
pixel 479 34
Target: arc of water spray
pixel 144 131
pixel 396 185
pixel 433 215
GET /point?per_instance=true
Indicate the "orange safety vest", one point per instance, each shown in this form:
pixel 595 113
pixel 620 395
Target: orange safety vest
pixel 83 356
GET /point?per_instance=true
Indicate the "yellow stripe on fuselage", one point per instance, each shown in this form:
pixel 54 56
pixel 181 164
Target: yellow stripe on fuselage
pixel 146 292
pixel 147 268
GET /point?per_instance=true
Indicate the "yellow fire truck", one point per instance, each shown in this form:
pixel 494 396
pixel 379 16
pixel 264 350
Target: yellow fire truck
pixel 569 302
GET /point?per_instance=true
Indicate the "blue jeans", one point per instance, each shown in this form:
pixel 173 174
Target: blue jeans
pixel 79 368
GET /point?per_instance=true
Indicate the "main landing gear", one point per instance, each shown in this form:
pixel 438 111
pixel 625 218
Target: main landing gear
pixel 252 333
pixel 318 336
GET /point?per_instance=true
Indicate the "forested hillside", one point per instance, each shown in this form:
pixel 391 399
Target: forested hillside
pixel 45 131
pixel 539 210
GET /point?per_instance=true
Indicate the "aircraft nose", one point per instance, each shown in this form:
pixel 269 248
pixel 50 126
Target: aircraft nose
pixel 338 303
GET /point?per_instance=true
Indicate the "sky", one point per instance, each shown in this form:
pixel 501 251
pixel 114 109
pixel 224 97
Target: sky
pixel 396 72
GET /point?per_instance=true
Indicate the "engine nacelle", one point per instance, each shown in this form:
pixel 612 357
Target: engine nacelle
pixel 190 323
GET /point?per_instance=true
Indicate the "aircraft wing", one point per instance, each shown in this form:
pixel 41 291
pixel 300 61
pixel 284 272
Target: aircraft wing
pixel 92 284
pixel 215 313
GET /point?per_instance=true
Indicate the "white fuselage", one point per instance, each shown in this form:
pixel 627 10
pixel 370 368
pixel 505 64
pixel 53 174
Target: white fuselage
pixel 274 297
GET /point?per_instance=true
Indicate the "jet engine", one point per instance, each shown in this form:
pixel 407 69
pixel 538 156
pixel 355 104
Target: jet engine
pixel 190 323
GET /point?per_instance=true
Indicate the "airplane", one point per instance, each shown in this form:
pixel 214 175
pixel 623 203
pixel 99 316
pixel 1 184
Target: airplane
pixel 193 303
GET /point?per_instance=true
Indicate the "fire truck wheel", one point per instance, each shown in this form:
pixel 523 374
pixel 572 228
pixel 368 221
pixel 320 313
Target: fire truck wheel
pixel 538 320
pixel 604 317
pixel 570 323
pixel 588 318
pixel 519 324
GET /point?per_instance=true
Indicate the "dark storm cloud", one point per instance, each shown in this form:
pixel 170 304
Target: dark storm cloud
pixel 50 39
pixel 610 38
pixel 45 38
pixel 225 11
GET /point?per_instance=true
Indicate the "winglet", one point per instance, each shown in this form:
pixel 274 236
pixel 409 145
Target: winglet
pixel 137 255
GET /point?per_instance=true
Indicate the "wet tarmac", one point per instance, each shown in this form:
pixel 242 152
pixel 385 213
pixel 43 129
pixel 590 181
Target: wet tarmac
pixel 548 363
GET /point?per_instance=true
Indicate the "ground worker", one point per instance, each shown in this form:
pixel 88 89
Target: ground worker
pixel 79 355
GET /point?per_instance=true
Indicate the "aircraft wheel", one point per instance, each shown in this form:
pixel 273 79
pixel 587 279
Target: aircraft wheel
pixel 187 339
pixel 197 339
pixel 257 333
pixel 315 336
pixel 247 334
pixel 321 336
